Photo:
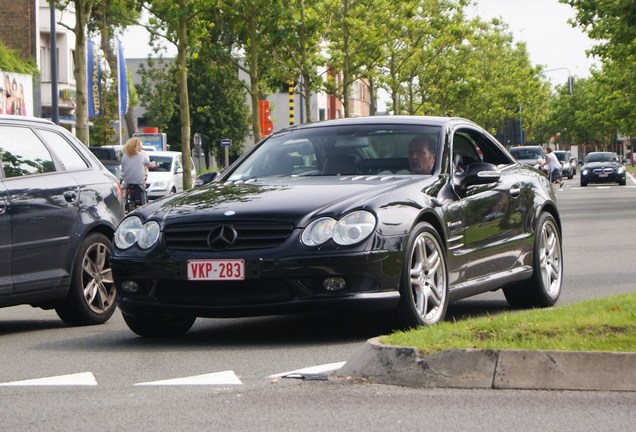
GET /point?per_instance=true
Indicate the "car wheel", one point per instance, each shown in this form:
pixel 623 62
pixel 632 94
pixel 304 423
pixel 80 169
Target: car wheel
pixel 91 296
pixel 622 182
pixel 424 284
pixel 571 176
pixel 155 325
pixel 544 287
pixel 583 184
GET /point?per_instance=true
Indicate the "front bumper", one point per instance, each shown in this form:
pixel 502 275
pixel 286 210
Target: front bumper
pixel 613 177
pixel 281 285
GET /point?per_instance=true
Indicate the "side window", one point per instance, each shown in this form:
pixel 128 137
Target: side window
pixel 22 153
pixel 64 151
pixel 465 151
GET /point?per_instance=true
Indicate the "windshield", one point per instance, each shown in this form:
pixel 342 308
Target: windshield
pixel 340 150
pixel 561 156
pixel 164 163
pixel 526 153
pixel 601 157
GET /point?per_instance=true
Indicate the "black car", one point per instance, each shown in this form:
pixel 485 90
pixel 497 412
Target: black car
pixel 110 157
pixel 326 215
pixel 59 208
pixel 603 167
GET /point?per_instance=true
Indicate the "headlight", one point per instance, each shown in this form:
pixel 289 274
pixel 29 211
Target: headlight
pixel 351 229
pixel 621 170
pixel 159 185
pixel 318 232
pixel 584 172
pixel 132 231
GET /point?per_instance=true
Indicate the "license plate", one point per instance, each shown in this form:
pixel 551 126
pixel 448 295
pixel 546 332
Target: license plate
pixel 216 269
pixel 602 175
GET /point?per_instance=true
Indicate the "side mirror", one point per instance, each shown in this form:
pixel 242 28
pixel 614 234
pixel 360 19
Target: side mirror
pixel 477 173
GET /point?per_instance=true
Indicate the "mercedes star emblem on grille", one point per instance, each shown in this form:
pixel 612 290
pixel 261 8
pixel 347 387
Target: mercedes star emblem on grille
pixel 221 237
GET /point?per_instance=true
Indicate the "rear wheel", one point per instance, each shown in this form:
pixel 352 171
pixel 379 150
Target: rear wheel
pixel 91 297
pixel 159 325
pixel 424 284
pixel 544 287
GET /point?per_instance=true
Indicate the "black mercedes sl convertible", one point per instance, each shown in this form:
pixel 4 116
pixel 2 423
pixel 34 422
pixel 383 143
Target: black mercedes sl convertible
pixel 341 214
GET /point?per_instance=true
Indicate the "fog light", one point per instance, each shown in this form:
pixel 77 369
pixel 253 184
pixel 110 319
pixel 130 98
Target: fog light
pixel 334 284
pixel 130 287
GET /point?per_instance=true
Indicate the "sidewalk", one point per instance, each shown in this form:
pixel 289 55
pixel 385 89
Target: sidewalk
pixel 481 369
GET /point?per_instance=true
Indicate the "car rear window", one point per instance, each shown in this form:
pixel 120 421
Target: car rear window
pixel 22 153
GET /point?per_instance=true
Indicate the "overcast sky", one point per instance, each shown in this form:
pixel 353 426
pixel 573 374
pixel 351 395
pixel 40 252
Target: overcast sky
pixel 542 24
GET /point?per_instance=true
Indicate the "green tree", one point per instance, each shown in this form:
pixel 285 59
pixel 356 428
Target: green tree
pixel 296 46
pixel 218 106
pixel 12 61
pixel 612 24
pixel 180 23
pixel 108 19
pixel 82 9
pixel 158 91
pixel 241 34
pixel 354 43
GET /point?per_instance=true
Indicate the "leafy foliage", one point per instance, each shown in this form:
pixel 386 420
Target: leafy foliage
pixel 11 61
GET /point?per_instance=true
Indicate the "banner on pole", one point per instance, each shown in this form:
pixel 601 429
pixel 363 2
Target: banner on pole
pixel 122 79
pixel 94 80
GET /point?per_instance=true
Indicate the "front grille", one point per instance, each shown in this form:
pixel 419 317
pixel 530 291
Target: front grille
pixel 603 170
pixel 249 235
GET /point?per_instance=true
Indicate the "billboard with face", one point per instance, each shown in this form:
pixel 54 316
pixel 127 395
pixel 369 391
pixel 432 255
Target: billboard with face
pixel 16 93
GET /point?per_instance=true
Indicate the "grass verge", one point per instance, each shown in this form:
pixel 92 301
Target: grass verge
pixel 605 324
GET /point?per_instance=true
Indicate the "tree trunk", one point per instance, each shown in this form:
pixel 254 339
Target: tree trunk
pixel 82 14
pixel 184 102
pixel 254 87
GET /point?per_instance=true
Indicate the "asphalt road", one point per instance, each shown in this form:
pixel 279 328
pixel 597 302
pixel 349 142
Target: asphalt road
pixel 225 374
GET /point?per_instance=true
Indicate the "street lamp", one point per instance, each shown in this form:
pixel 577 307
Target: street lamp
pixel 570 79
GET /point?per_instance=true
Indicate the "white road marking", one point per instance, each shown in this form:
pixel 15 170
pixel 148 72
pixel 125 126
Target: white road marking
pixel 216 378
pixel 329 367
pixel 78 379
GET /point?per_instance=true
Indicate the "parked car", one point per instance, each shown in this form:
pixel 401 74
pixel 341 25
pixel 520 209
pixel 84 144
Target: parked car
pixel 305 220
pixel 568 163
pixel 59 208
pixel 110 157
pixel 205 178
pixel 167 177
pixel 603 167
pixel 530 155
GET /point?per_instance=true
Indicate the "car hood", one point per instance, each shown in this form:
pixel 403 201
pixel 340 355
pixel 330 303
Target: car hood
pixel 592 165
pixel 155 176
pixel 292 199
pixel 530 162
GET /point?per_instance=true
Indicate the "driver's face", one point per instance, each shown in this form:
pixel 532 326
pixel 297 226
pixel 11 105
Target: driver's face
pixel 421 159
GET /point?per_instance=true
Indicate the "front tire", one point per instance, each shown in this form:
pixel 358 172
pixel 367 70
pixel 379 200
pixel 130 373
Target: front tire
pixel 544 287
pixel 156 325
pixel 424 284
pixel 91 296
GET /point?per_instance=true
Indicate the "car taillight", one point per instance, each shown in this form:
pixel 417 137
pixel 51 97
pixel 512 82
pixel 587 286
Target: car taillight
pixel 119 190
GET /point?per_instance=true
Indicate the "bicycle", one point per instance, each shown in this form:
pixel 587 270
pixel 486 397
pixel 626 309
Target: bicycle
pixel 132 197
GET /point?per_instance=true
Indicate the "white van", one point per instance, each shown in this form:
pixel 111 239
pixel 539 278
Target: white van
pixel 167 177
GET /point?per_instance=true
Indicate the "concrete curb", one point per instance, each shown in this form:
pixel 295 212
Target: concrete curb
pixel 496 369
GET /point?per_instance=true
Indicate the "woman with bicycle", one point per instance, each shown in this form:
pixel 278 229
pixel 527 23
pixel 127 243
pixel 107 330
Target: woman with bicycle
pixel 134 165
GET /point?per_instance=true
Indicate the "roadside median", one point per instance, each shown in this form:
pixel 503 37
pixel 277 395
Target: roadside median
pixel 585 346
